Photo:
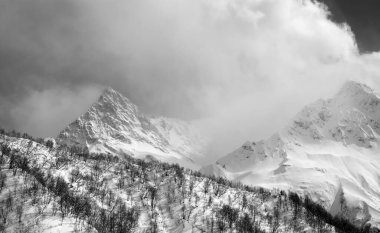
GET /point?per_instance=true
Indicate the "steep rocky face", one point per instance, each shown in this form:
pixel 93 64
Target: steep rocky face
pixel 330 148
pixel 114 125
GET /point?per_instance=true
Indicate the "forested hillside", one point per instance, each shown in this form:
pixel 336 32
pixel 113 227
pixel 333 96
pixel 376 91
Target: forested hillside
pixel 54 188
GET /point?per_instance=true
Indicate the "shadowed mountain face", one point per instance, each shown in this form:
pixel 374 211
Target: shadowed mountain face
pixel 362 16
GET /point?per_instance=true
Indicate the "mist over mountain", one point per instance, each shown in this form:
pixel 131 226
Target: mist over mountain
pixel 363 19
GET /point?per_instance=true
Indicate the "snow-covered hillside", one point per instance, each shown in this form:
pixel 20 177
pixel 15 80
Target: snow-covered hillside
pixel 59 189
pixel 329 151
pixel 114 125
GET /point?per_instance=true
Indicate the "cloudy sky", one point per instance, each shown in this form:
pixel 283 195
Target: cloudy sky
pixel 239 68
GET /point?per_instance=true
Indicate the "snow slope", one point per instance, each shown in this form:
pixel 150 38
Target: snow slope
pixel 330 149
pixel 163 198
pixel 114 125
pixel 24 205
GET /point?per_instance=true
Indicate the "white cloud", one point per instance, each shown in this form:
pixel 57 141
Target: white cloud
pixel 248 65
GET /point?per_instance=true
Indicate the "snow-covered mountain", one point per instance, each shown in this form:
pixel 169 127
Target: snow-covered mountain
pixel 115 125
pixel 329 151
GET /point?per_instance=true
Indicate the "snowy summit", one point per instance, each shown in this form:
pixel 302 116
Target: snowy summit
pixel 115 125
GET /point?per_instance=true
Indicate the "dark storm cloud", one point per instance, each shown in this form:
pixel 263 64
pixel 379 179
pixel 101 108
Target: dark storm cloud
pixel 228 64
pixel 41 47
pixel 32 33
pixel 46 44
pixel 363 17
pixel 57 45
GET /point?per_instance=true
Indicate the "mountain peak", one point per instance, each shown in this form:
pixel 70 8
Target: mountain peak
pixel 352 88
pixel 109 91
pixel 357 95
pixel 115 125
pixel 112 99
pixel 350 117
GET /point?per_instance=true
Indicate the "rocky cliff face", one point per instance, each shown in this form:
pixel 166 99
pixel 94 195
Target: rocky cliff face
pixel 330 150
pixel 115 125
